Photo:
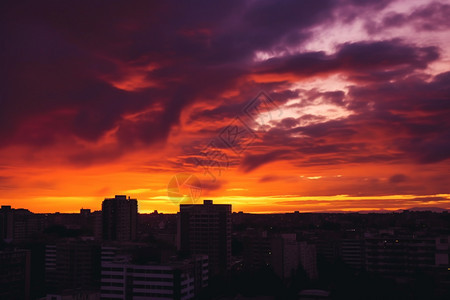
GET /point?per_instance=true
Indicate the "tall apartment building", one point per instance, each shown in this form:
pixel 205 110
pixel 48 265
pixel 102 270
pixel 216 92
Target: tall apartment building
pixel 206 229
pixel 119 219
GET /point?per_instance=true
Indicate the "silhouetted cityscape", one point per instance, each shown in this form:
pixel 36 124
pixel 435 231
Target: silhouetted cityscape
pixel 207 252
pixel 225 150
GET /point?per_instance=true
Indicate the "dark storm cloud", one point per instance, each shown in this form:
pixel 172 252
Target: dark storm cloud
pixel 311 97
pixel 289 123
pixel 251 162
pixel 76 71
pixel 209 185
pixel 419 109
pixel 405 120
pixel 338 129
pixel 363 61
pixel 7 183
pixel 271 178
pixel 61 59
pixel 431 17
pixel 427 150
pixel 398 178
pixel 229 110
pixel 4 179
pixel 429 199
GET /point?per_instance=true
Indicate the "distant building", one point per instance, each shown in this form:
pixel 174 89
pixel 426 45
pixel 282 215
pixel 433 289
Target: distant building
pixel 401 256
pixel 119 219
pixel 285 255
pixel 97 224
pixel 6 223
pixel 19 225
pixel 206 229
pixel 308 259
pixel 282 252
pixel 288 254
pixel 85 212
pixel 15 274
pixel 257 251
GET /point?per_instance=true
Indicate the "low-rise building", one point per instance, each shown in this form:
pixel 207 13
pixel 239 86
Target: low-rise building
pixel 179 280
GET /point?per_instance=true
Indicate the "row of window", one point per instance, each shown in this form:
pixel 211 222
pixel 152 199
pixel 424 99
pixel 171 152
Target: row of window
pixel 154 279
pixel 106 291
pixel 153 287
pixel 137 270
pixel 116 284
pixel 153 295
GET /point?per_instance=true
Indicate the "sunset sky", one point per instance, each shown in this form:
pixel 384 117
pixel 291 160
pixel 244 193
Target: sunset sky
pixel 101 98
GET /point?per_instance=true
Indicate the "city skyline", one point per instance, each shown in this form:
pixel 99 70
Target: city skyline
pixel 311 107
pixel 189 255
pixel 80 210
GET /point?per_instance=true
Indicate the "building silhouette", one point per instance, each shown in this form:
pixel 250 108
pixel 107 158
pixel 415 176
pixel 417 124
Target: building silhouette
pixel 119 219
pixel 126 276
pixel 6 223
pixel 15 274
pixel 206 229
pixel 19 225
pixel 72 264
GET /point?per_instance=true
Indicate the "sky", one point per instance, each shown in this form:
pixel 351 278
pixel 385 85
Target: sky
pixel 272 106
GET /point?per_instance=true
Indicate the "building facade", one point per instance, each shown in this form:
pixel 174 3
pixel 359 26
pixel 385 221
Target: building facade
pixel 72 264
pixel 180 280
pixel 206 229
pixel 119 219
pixel 15 274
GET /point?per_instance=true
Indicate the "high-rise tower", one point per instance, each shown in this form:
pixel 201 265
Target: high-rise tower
pixel 206 229
pixel 119 218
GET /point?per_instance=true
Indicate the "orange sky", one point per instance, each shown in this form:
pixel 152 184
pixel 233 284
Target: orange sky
pixel 338 106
